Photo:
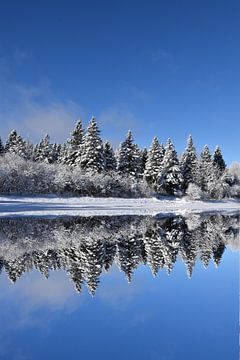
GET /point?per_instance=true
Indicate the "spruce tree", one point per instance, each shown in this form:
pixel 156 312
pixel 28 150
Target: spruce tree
pixel 218 161
pixel 170 178
pixel 63 153
pixel 189 164
pixel 1 147
pixel 92 154
pixel 144 156
pixel 154 161
pixel 206 171
pixel 129 157
pixel 109 157
pixel 74 145
pixel 16 145
pixel 43 151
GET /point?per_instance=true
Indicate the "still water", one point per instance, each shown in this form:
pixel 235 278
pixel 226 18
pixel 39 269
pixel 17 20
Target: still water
pixel 149 288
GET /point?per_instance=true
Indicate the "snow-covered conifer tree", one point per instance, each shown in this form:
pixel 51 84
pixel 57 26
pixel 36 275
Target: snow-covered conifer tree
pixel 154 161
pixel 16 145
pixel 170 178
pixel 206 171
pixel 218 161
pixel 43 151
pixel 92 154
pixel 189 164
pixel 74 145
pixel 129 157
pixel 1 147
pixel 109 157
pixel 144 156
pixel 56 150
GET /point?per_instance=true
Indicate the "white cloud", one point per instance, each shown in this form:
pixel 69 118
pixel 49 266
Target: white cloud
pixel 33 111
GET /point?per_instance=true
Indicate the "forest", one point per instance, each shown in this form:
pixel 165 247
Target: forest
pixel 86 166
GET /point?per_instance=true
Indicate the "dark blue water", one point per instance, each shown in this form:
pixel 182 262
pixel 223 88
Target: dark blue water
pixel 120 288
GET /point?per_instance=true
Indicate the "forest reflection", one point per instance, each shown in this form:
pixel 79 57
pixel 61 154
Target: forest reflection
pixel 85 247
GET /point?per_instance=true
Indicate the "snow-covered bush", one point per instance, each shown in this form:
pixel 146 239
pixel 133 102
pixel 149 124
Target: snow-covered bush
pixel 18 176
pixel 194 192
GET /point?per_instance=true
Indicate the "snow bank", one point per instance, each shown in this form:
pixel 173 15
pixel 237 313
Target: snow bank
pixel 49 206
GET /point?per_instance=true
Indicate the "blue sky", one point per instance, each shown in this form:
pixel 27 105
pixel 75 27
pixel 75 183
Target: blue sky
pixel 165 68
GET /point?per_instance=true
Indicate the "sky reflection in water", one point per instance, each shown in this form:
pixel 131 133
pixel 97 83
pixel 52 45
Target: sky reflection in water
pixel 163 317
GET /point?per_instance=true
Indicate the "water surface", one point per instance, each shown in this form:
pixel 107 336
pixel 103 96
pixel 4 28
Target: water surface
pixel 126 287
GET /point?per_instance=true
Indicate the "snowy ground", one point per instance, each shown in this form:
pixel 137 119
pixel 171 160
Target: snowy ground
pixel 48 206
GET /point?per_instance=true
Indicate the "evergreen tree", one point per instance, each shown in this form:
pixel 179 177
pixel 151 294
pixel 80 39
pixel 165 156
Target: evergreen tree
pixel 16 145
pixel 205 171
pixel 11 142
pixel 63 153
pixel 170 178
pixel 43 152
pixel 129 157
pixel 154 161
pixel 218 161
pixel 144 156
pixel 92 154
pixel 189 164
pixel 1 147
pixel 109 157
pixel 74 145
pixel 56 151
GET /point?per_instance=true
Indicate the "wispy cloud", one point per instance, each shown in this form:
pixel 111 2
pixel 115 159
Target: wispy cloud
pixel 34 111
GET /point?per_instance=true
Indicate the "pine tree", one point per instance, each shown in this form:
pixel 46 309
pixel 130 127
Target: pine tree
pixel 1 147
pixel 43 152
pixel 63 153
pixel 189 164
pixel 109 157
pixel 218 161
pixel 74 145
pixel 154 161
pixel 206 172
pixel 129 157
pixel 170 178
pixel 16 145
pixel 56 151
pixel 92 154
pixel 144 156
pixel 11 141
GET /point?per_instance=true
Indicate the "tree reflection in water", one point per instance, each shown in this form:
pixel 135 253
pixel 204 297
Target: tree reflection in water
pixel 84 247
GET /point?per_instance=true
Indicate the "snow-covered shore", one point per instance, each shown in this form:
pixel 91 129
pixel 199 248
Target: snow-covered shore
pixel 48 206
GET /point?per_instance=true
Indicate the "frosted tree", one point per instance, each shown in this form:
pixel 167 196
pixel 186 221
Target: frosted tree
pixel 189 164
pixel 74 145
pixel 43 152
pixel 1 147
pixel 144 156
pixel 154 161
pixel 109 157
pixel 206 171
pixel 16 145
pixel 63 153
pixel 56 151
pixel 129 157
pixel 11 142
pixel 218 161
pixel 29 150
pixel 92 154
pixel 170 179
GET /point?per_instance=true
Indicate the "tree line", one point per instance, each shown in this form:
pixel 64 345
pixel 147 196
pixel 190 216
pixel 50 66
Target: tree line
pixel 154 171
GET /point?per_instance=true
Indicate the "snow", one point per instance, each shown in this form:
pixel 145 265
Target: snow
pixel 50 206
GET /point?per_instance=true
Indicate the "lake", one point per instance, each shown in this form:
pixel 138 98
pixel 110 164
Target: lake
pixel 120 287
